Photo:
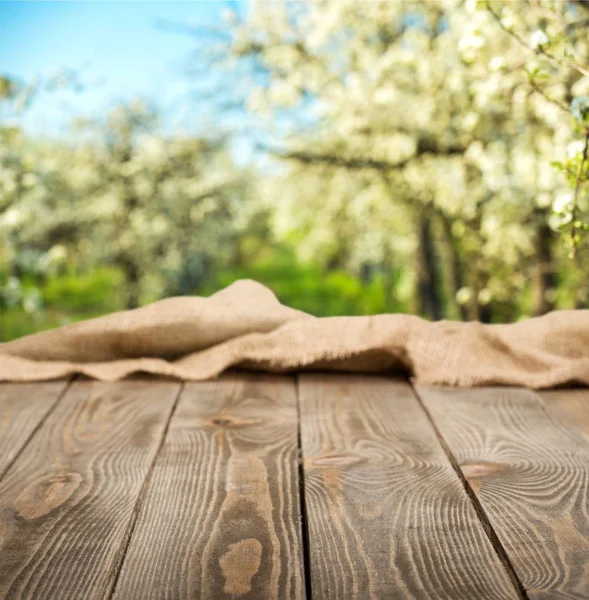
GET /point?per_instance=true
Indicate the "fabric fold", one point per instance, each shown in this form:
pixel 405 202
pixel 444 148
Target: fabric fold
pixel 244 325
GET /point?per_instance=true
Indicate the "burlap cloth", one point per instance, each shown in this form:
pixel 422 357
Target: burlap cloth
pixel 244 325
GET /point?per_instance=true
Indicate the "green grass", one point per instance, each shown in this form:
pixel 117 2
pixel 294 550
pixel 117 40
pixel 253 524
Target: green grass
pixel 16 323
pixel 67 298
pixel 311 290
pixel 73 297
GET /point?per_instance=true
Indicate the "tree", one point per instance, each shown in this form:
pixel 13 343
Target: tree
pixel 435 109
pixel 159 208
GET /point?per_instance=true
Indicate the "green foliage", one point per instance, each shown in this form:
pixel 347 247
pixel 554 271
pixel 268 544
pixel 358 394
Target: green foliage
pixel 17 322
pixel 309 288
pixel 28 306
pixel 99 291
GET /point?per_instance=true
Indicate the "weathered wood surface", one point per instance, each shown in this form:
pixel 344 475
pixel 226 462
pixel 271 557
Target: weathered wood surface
pixel 570 407
pixel 526 457
pixel 387 514
pixel 221 518
pixel 67 502
pixel 23 406
pixel 149 489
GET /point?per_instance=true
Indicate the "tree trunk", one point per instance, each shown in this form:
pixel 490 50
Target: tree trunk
pixel 365 273
pixel 485 313
pixel 132 275
pixel 544 278
pixel 387 278
pixel 455 267
pixel 428 275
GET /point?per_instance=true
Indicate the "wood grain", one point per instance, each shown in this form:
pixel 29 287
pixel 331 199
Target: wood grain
pixel 221 518
pixel 388 516
pixel 528 463
pixel 23 406
pixel 570 407
pixel 67 503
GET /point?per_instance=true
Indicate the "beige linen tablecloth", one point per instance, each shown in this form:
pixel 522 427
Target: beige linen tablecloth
pixel 244 325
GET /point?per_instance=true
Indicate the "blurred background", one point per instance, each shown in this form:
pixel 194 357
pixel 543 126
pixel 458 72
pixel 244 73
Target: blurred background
pixel 358 157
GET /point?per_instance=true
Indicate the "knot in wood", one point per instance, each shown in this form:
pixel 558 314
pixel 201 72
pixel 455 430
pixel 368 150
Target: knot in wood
pixel 338 460
pixel 481 469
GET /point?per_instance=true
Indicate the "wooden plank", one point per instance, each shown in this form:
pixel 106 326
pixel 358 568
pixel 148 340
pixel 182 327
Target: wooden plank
pixel 388 516
pixel 530 472
pixel 67 503
pixel 570 407
pixel 23 406
pixel 221 517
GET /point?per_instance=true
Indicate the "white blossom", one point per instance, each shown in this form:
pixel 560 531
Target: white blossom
pixel 13 217
pixel 464 295
pixel 575 148
pixel 497 63
pixel 538 40
pixel 485 296
pixel 58 253
pixel 562 203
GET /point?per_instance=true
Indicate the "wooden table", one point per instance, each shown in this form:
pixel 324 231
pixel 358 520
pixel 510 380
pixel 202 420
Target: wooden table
pixel 316 485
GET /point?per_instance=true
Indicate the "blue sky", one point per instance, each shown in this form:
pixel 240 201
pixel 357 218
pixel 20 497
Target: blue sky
pixel 117 47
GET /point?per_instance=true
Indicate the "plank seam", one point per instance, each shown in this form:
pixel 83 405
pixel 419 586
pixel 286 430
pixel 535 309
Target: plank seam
pixel 305 537
pixel 478 507
pixel 118 563
pixel 37 427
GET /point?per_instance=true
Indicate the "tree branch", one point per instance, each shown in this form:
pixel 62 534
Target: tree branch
pixel 353 163
pixel 424 146
pixel 582 69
